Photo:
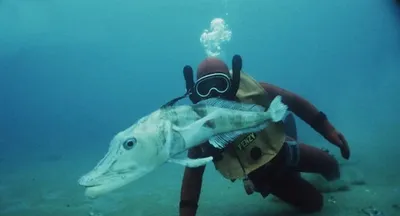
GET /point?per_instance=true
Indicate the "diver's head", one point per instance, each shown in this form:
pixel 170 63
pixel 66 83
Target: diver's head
pixel 211 65
pixel 213 79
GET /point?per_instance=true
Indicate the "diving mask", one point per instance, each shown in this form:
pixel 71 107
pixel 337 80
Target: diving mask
pixel 213 85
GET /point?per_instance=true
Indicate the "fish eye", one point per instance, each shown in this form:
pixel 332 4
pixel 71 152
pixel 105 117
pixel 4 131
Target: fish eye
pixel 128 144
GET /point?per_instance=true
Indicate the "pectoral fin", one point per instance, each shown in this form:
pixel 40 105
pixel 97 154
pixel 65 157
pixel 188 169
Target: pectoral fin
pixel 191 162
pixel 221 140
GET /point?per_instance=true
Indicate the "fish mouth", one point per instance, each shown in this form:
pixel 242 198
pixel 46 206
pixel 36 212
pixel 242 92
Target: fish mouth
pixel 104 185
pixel 90 186
pixel 101 185
pixel 96 190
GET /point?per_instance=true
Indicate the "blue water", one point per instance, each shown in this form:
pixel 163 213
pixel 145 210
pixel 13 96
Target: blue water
pixel 73 73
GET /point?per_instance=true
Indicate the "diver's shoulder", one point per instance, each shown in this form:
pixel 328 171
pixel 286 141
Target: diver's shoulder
pixel 266 85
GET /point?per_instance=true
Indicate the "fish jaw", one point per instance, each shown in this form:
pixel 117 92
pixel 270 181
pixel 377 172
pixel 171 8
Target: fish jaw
pixel 106 184
pixel 114 171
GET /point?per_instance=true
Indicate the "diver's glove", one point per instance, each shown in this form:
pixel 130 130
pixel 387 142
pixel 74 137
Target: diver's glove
pixel 324 127
pixel 337 138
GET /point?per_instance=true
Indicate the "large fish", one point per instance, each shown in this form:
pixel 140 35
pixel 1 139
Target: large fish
pixel 159 137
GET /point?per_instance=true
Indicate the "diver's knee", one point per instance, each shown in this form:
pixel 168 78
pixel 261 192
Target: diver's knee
pixel 332 169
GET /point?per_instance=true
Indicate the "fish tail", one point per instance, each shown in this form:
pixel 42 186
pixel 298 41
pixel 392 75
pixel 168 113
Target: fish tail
pixel 277 109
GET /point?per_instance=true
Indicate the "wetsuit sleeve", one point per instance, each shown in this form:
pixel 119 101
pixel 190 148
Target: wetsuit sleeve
pixel 191 186
pixel 299 106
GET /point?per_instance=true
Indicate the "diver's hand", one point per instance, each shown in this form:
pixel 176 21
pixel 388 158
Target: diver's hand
pixel 337 138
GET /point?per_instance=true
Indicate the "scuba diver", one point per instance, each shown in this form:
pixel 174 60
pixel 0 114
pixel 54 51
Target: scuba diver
pixel 269 161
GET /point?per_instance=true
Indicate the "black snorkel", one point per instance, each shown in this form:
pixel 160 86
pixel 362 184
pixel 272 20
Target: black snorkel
pixel 188 75
pixel 236 68
pixel 189 81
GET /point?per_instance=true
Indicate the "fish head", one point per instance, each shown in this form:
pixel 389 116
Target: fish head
pixel 132 154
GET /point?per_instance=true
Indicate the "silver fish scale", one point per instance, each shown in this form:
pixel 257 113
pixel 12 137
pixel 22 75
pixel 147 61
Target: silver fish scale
pixel 180 116
pixel 222 140
pixel 232 105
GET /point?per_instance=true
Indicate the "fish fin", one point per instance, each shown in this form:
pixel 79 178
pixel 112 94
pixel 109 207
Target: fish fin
pixel 191 162
pixel 222 140
pixel 277 109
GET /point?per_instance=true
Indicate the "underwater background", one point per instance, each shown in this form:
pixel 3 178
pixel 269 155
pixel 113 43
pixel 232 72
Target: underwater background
pixel 74 73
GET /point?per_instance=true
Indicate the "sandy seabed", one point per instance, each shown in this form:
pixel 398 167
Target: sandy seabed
pixel 49 188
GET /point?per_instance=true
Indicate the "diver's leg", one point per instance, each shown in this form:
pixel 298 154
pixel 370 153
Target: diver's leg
pixel 311 159
pixel 296 191
pixel 315 160
pixel 281 179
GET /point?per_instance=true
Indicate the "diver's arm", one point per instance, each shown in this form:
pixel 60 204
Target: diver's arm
pixel 301 107
pixel 191 186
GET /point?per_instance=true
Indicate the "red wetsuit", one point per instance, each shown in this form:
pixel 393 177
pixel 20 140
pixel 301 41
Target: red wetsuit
pixel 289 186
